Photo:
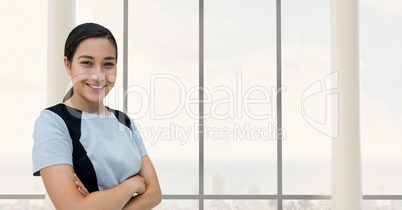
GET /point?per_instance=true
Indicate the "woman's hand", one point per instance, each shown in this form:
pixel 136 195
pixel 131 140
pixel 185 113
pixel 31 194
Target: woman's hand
pixel 138 183
pixel 81 188
pixel 152 195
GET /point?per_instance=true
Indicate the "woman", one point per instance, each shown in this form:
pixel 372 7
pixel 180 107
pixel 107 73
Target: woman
pixel 91 156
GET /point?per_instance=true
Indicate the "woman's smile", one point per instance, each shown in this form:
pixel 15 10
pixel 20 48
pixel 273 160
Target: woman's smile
pixel 97 88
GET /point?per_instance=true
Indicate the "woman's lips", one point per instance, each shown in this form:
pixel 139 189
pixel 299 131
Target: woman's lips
pixel 97 88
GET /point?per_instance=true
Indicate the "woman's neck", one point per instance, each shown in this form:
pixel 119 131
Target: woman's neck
pixel 87 106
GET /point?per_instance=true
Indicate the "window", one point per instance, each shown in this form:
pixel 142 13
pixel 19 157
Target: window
pixel 240 101
pixel 231 157
pixel 381 116
pixel 306 61
pixel 23 91
pixel 162 88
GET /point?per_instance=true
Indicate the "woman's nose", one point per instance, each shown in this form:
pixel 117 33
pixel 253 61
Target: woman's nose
pixel 98 76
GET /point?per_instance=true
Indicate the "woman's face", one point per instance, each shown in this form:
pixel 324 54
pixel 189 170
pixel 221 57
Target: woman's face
pixel 93 69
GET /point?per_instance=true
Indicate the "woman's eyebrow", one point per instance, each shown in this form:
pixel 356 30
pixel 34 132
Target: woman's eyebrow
pixel 86 56
pixel 90 57
pixel 110 58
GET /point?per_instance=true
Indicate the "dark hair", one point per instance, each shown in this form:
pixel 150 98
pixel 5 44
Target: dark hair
pixel 79 34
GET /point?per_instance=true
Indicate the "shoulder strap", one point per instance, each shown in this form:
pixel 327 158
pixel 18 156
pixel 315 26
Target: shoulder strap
pixel 122 117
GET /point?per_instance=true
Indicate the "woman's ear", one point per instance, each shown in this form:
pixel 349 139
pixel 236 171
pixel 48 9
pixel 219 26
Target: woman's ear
pixel 67 65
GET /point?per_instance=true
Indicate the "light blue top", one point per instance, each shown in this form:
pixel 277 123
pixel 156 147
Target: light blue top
pixel 113 149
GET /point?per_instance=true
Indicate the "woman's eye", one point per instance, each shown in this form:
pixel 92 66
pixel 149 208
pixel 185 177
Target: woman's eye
pixel 109 64
pixel 86 62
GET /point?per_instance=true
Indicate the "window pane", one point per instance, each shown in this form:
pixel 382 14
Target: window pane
pixel 23 90
pixel 307 205
pixel 240 99
pixel 177 205
pixel 381 99
pixel 382 204
pixel 162 92
pixel 306 66
pixel 252 177
pixel 16 175
pixel 22 204
pixel 241 204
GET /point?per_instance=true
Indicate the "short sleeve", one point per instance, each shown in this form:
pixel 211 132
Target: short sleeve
pixel 138 140
pixel 52 142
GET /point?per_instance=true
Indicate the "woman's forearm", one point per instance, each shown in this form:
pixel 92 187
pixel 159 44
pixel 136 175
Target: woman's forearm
pixel 59 181
pixel 114 198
